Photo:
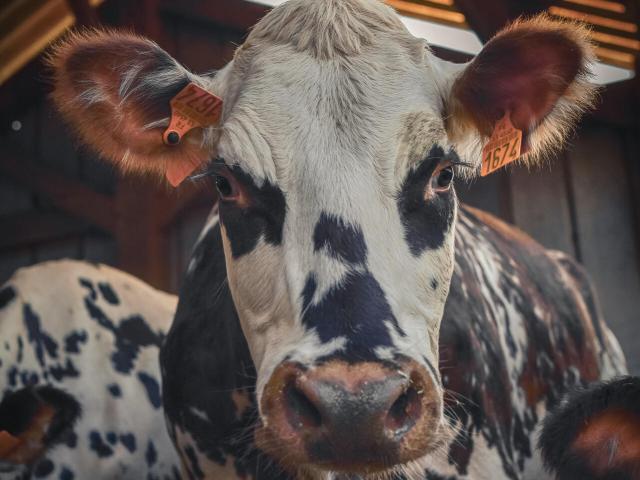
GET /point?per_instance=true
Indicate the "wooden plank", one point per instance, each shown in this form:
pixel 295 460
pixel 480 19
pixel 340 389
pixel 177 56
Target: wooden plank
pixel 541 204
pixel 24 229
pixel 234 14
pixel 85 15
pixel 143 246
pixel 605 225
pixel 70 196
pixel 13 199
pixel 55 148
pixel 489 193
pixel 99 248
pixel 11 261
pixel 58 250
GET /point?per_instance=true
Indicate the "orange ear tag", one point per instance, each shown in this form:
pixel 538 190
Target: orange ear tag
pixel 503 148
pixel 193 107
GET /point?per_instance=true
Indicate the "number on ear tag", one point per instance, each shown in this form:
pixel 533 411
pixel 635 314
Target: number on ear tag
pixel 503 148
pixel 191 108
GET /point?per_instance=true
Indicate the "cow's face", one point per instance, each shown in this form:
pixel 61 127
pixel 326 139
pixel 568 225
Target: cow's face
pixel 334 161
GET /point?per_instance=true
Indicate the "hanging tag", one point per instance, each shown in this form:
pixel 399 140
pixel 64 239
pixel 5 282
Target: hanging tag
pixel 191 108
pixel 503 148
pixel 7 443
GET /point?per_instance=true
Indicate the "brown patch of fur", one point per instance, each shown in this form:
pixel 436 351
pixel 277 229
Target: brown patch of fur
pixel 537 69
pixel 88 71
pixel 610 441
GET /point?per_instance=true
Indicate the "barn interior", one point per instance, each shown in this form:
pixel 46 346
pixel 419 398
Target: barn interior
pixel 58 200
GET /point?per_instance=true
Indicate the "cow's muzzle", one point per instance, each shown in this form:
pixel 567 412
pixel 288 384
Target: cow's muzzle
pixel 362 417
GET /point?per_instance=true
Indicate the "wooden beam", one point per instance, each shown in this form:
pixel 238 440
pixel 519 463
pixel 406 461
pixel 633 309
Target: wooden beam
pixel 25 229
pixel 487 18
pixel 188 197
pixel 232 14
pixel 85 14
pixel 143 245
pixel 68 195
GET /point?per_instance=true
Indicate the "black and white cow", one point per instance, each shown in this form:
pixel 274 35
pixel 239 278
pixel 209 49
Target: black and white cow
pixel 343 317
pixel 79 375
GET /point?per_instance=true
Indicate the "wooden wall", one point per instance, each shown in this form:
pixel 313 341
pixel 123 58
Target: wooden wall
pixel 584 203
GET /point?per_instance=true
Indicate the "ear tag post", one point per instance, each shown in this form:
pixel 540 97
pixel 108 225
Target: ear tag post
pixel 191 108
pixel 504 146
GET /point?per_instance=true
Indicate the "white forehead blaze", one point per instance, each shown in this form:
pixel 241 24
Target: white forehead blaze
pixel 338 137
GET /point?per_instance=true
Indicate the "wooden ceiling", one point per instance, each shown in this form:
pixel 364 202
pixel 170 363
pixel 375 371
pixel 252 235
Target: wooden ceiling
pixel 614 29
pixel 28 26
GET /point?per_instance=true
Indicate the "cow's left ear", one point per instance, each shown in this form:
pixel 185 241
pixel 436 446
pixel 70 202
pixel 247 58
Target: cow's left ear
pixel 537 71
pixel 594 434
pixel 115 89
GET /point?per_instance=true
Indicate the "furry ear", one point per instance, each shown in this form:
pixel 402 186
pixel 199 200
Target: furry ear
pixel 537 70
pixel 595 433
pixel 114 89
pixel 32 420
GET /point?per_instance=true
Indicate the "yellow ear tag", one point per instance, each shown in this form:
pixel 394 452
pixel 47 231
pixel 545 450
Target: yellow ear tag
pixel 503 147
pixel 193 107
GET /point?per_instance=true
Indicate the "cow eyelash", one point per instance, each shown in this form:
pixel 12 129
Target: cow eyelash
pixel 458 163
pixel 213 169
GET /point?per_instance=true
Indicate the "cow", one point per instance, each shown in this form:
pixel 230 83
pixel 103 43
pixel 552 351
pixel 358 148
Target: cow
pixel 343 317
pixel 594 434
pixel 79 375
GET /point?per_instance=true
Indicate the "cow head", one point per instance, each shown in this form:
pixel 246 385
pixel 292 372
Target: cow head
pixel 334 160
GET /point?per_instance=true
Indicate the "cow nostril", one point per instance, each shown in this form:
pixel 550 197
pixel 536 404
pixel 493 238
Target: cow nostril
pixel 301 412
pixel 404 412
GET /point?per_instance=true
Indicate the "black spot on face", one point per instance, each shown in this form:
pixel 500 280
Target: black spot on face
pixel 263 216
pixel 7 294
pixel 340 239
pixel 356 309
pixel 152 388
pixel 434 284
pixel 426 222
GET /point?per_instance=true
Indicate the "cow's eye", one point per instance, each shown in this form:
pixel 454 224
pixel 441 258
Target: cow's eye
pixel 444 178
pixel 224 187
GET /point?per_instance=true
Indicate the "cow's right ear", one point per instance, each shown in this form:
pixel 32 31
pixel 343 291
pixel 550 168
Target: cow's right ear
pixel 115 89
pixel 594 434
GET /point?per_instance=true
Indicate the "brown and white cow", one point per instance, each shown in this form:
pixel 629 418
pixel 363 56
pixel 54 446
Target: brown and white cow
pixel 343 317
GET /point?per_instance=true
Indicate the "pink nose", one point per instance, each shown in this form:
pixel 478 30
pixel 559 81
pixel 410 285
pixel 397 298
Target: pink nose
pixel 347 417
